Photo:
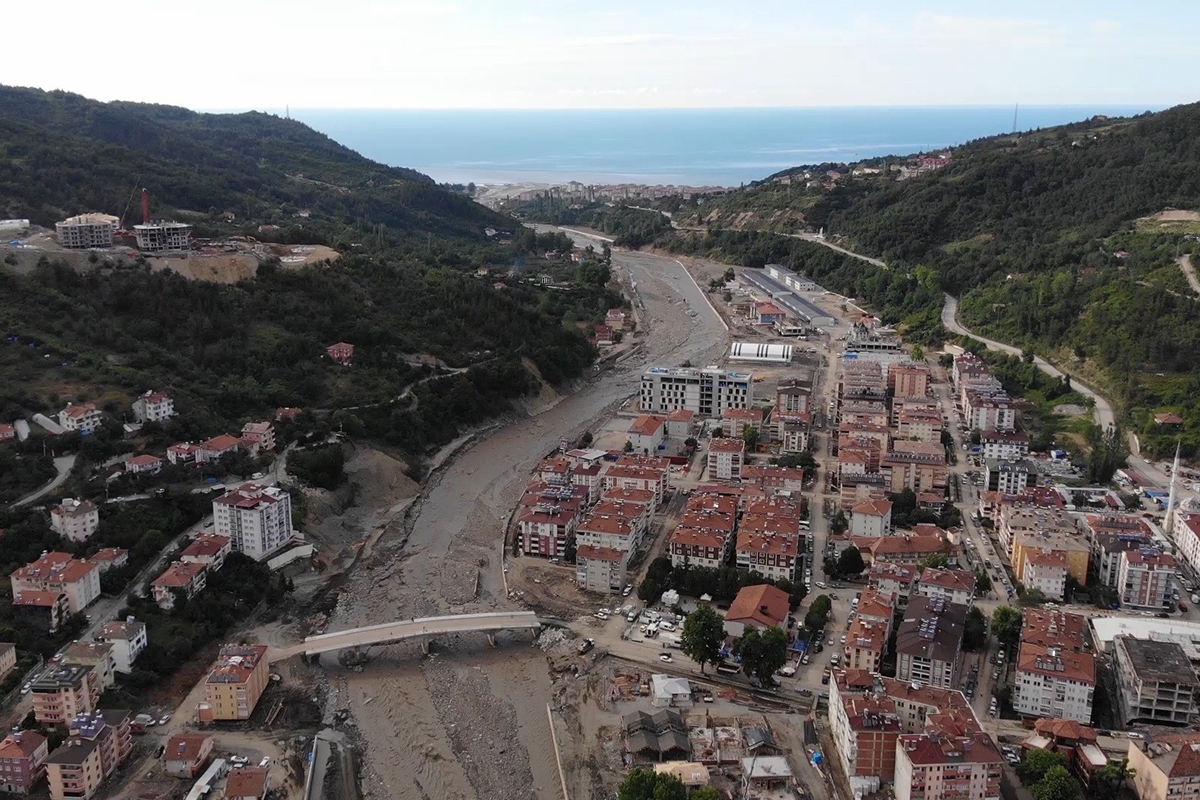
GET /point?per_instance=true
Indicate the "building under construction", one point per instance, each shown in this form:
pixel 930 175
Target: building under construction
pixel 161 236
pixel 87 230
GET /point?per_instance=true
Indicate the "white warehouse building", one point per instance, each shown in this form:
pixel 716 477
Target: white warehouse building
pixel 755 351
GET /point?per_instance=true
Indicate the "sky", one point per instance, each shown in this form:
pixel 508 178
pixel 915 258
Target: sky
pixel 265 54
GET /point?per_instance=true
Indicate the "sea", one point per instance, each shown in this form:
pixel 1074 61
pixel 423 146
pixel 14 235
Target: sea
pixel 686 147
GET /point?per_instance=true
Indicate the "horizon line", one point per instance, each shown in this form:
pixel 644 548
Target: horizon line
pixel 592 109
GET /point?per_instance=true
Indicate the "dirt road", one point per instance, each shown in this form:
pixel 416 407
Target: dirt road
pixel 1189 272
pixel 469 722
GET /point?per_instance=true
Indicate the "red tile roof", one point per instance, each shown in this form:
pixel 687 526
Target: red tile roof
pixel 762 603
pixel 728 445
pixel 600 553
pixel 647 425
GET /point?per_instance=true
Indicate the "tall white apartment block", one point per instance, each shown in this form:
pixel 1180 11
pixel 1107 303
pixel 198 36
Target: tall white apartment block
pixel 258 519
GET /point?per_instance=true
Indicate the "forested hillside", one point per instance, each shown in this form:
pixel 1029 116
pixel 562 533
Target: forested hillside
pixel 439 346
pixel 62 154
pixel 1049 237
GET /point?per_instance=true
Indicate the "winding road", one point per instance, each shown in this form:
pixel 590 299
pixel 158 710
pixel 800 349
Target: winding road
pixel 1102 410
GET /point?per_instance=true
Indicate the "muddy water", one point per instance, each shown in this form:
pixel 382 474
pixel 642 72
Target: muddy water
pixel 470 721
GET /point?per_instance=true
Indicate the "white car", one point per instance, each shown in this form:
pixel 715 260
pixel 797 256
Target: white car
pixel 239 760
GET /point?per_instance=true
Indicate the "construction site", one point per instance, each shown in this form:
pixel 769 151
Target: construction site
pixel 92 239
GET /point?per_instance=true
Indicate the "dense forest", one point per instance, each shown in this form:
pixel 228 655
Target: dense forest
pixel 63 154
pixel 230 352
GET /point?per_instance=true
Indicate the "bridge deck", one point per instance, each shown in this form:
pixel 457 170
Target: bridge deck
pixel 390 632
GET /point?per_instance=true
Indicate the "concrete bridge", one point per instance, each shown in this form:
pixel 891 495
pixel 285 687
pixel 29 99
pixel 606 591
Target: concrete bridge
pixel 392 632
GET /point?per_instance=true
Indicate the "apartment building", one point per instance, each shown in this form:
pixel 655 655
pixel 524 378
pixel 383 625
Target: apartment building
pixel 866 641
pixel 75 519
pixel 698 547
pixel 1054 628
pixel 616 532
pixel 235 683
pixel 341 353
pixel 1109 537
pixel 209 550
pixel 1146 578
pixel 1166 766
pixel 61 573
pixel 871 518
pixel 128 639
pixel 774 556
pixel 258 519
pixel 1008 477
pixel 1156 680
pixel 725 459
pixel 182 577
pixel 908 379
pixel 955 763
pixel 41 611
pixel 259 436
pixel 1054 682
pixel 82 417
pixel 601 569
pixel 1045 571
pixel 8 659
pixel 547 530
pixel 735 421
pixel 22 761
pixel 98 743
pixel 888 731
pixel 86 231
pixel 920 466
pixel 163 237
pixel 1004 445
pixel 97 655
pixel 633 476
pixel 902 548
pixel 898 580
pixel 876 606
pixel 928 642
pixel 64 692
pixel 952 585
pixel 153 406
pixel 921 425
pixel 186 754
pixel 708 392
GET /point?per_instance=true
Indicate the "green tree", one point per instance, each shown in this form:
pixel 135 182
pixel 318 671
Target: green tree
pixel 804 460
pixel 1058 784
pixel 705 793
pixel 1006 624
pixel 1108 781
pixel 763 653
pixel 628 448
pixel 975 630
pixel 983 581
pixel 702 636
pixel 750 436
pixel 850 562
pixel 938 560
pixel 818 613
pixel 1037 763
pixel 838 523
pixel 585 440
pixel 917 353
pixel 646 784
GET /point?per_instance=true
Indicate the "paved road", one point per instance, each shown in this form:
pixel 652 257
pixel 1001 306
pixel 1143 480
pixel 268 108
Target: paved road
pixel 391 632
pixel 64 465
pixel 1189 272
pixel 1103 410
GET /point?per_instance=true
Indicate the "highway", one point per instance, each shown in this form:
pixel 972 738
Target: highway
pixel 390 632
